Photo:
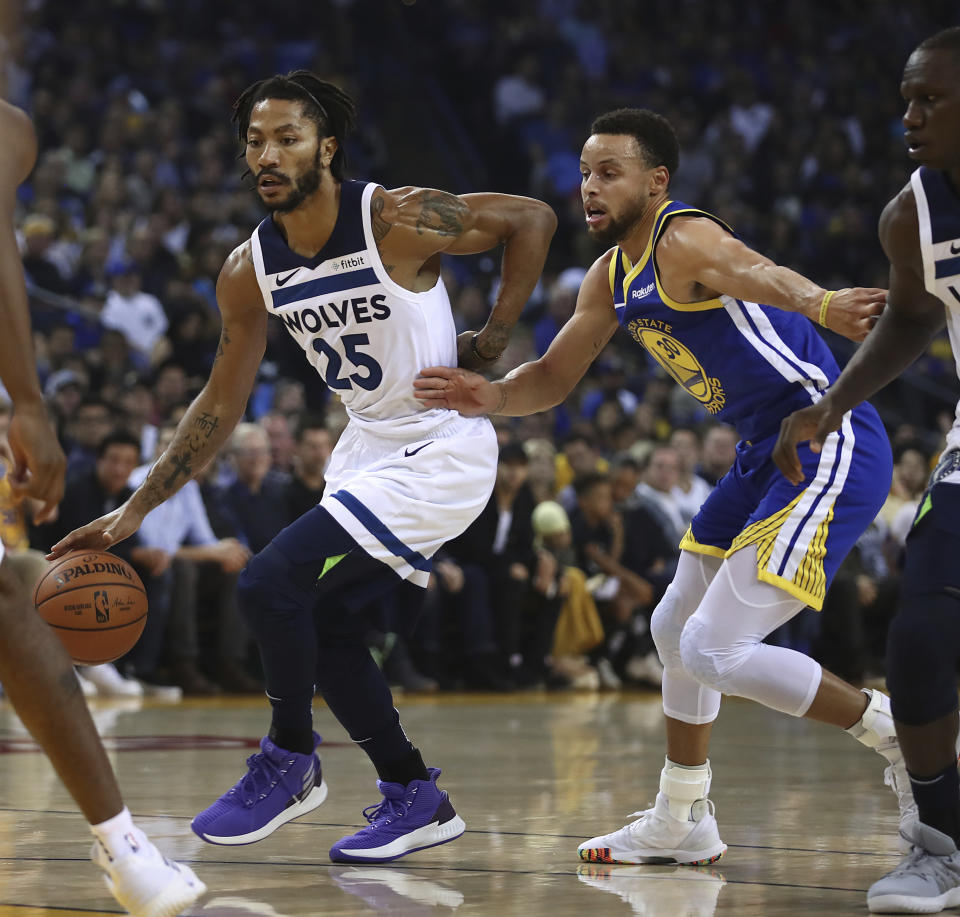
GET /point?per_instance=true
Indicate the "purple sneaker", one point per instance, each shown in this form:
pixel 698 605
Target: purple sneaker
pixel 279 785
pixel 410 818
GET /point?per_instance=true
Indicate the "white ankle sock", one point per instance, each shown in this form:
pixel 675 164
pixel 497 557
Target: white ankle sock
pixel 116 833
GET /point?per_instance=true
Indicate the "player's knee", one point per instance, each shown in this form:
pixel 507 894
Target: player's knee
pixel 265 589
pixel 666 625
pixel 921 658
pixel 709 659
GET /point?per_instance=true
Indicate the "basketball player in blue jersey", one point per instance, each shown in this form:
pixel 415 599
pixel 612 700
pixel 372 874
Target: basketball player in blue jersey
pixel 920 233
pixel 734 330
pixel 35 671
pixel 353 272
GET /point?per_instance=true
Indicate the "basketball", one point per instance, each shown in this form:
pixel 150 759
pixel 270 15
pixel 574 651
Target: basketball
pixel 96 604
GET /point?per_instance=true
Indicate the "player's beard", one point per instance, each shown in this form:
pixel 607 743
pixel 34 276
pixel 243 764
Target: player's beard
pixel 618 229
pixel 303 187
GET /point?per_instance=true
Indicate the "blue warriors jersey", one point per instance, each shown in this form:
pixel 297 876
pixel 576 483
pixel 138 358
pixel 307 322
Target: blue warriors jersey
pixel 748 364
pixel 938 215
pixel 365 335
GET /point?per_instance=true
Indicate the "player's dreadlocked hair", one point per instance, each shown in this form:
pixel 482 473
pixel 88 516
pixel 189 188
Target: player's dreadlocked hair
pixel 329 106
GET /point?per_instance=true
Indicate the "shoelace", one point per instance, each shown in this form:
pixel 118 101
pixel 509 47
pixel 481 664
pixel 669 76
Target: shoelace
pixel 261 777
pixel 919 862
pixel 389 809
pixel 908 805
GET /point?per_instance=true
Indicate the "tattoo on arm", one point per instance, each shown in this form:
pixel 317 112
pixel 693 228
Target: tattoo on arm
pixel 207 423
pixel 181 466
pixel 493 339
pixel 380 226
pixel 441 213
pixel 502 403
pixel 224 343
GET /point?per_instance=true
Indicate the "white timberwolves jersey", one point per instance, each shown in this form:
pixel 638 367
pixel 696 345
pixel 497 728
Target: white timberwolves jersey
pixel 938 210
pixel 366 336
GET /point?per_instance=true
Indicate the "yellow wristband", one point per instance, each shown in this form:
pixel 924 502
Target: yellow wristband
pixel 824 304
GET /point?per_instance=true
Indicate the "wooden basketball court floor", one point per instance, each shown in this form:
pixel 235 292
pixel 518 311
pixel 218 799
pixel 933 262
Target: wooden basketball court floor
pixel 802 807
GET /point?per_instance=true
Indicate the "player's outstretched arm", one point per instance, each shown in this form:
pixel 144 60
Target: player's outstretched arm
pixel 699 251
pixel 210 418
pixel 38 461
pixel 902 334
pixel 543 383
pixel 417 223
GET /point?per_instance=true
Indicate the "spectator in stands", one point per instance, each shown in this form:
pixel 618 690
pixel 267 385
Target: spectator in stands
pixel 691 490
pixel 282 443
pixel 911 469
pixel 496 556
pixel 257 499
pixel 312 450
pixel 655 492
pixel 138 315
pixel 179 527
pixel 718 454
pixel 91 422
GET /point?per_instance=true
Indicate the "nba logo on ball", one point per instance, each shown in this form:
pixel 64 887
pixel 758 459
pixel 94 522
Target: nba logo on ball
pixel 96 604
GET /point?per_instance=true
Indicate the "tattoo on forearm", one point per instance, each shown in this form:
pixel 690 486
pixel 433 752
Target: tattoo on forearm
pixel 224 343
pixel 502 402
pixel 380 226
pixel 207 423
pixel 181 466
pixel 441 213
pixel 493 339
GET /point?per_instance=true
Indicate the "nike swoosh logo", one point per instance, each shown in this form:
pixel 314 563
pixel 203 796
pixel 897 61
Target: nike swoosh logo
pixel 408 452
pixel 282 280
pixel 954 248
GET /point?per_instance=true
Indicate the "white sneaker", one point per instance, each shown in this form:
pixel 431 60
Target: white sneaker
pixel 646 669
pixel 608 677
pixel 144 881
pixel 658 837
pixel 88 687
pixel 109 682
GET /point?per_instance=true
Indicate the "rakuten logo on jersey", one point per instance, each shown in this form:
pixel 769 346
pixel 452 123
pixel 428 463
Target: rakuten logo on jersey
pixel 643 291
pixel 348 263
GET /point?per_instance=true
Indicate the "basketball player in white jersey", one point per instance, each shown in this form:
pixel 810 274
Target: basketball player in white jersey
pixel 920 233
pixel 353 272
pixel 35 671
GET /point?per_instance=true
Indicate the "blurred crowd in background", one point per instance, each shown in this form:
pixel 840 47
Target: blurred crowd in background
pixel 789 122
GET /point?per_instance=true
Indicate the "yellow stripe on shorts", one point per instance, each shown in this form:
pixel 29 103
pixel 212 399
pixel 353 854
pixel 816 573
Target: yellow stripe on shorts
pixel 689 543
pixel 809 582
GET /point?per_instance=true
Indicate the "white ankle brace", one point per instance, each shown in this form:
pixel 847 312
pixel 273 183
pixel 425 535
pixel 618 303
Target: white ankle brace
pixel 876 724
pixel 683 786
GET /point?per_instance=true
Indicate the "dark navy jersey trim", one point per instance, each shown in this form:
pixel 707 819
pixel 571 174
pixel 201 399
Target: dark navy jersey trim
pixel 943 205
pixel 346 238
pixel 947 267
pixel 322 285
pixel 379 531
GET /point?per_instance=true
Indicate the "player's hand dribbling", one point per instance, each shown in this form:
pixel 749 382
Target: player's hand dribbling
pixel 100 534
pixel 457 389
pixel 853 312
pixel 39 464
pixel 814 423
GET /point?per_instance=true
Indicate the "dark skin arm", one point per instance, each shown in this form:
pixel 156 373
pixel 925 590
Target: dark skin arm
pixel 543 383
pixel 210 418
pixel 912 317
pixel 414 225
pixel 38 461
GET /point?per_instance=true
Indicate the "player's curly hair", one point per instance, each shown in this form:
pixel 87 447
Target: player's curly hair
pixel 654 134
pixel 334 112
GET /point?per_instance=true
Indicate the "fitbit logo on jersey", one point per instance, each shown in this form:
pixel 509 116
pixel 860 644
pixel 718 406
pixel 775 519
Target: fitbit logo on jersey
pixel 358 310
pixel 348 262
